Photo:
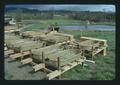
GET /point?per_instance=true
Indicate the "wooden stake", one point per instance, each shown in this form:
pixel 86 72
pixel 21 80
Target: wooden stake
pixel 59 77
pixel 43 59
pixel 92 53
pixel 104 51
pixel 22 55
pixel 30 53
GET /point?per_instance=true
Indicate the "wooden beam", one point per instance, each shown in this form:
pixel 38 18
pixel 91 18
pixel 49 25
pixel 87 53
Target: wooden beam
pixel 90 38
pixel 38 67
pixel 18 55
pixel 102 50
pixel 92 55
pixel 8 52
pixel 53 74
pixel 43 57
pixel 26 61
pixel 59 67
pixel 90 61
pixel 14 56
pixel 58 63
pixel 30 52
pixel 22 55
pixel 48 70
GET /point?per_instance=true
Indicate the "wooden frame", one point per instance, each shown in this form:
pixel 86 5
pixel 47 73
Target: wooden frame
pixel 99 47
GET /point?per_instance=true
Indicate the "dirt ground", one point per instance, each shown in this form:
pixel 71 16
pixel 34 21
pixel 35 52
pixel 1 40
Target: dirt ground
pixel 15 71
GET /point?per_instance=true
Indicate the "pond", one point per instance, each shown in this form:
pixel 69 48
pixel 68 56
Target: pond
pixel 90 27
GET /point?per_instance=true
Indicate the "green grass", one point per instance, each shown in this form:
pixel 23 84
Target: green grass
pixel 36 27
pixel 104 69
pixel 8 75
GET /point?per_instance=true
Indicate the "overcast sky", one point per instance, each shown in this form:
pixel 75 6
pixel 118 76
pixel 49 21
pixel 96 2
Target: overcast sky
pixel 106 8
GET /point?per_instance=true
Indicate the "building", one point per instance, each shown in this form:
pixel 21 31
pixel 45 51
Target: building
pixel 9 20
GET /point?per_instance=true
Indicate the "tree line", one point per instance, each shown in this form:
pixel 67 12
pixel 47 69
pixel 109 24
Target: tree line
pixel 74 15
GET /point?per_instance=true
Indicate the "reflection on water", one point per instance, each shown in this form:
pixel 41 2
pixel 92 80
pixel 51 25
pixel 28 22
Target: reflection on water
pixel 90 27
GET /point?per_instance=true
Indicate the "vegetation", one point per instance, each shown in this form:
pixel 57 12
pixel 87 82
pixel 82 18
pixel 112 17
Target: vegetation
pixel 104 69
pixel 28 14
pixel 93 16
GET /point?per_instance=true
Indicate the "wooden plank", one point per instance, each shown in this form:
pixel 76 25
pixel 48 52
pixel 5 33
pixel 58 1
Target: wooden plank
pixel 26 61
pixel 26 53
pixel 58 62
pixel 38 67
pixel 53 74
pixel 98 51
pixel 104 52
pixel 90 61
pixel 8 52
pixel 72 64
pixel 90 38
pixel 17 55
pixel 48 70
pixel 85 42
pixel 14 56
pixel 67 67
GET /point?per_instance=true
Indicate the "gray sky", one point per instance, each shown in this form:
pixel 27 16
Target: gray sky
pixel 73 7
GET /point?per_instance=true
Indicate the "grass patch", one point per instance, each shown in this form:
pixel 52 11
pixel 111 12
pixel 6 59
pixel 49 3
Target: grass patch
pixel 8 76
pixel 104 69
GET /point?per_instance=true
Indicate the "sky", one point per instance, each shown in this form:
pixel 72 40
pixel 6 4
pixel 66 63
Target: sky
pixel 97 7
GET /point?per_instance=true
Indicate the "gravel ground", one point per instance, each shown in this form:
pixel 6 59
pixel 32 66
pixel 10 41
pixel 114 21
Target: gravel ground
pixel 15 71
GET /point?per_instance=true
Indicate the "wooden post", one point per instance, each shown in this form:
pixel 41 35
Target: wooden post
pixel 31 56
pixel 104 51
pixel 58 62
pixel 43 59
pixel 92 53
pixel 83 64
pixel 83 52
pixel 30 53
pixel 22 55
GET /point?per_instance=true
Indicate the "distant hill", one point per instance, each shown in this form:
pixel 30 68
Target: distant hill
pixel 12 9
pixel 26 10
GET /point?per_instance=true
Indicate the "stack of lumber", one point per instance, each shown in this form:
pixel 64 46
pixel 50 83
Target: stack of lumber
pixel 66 56
pixel 28 45
pixel 9 38
pixel 53 37
pixel 31 34
pixel 14 42
pixel 47 50
pixel 57 37
pixel 54 51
